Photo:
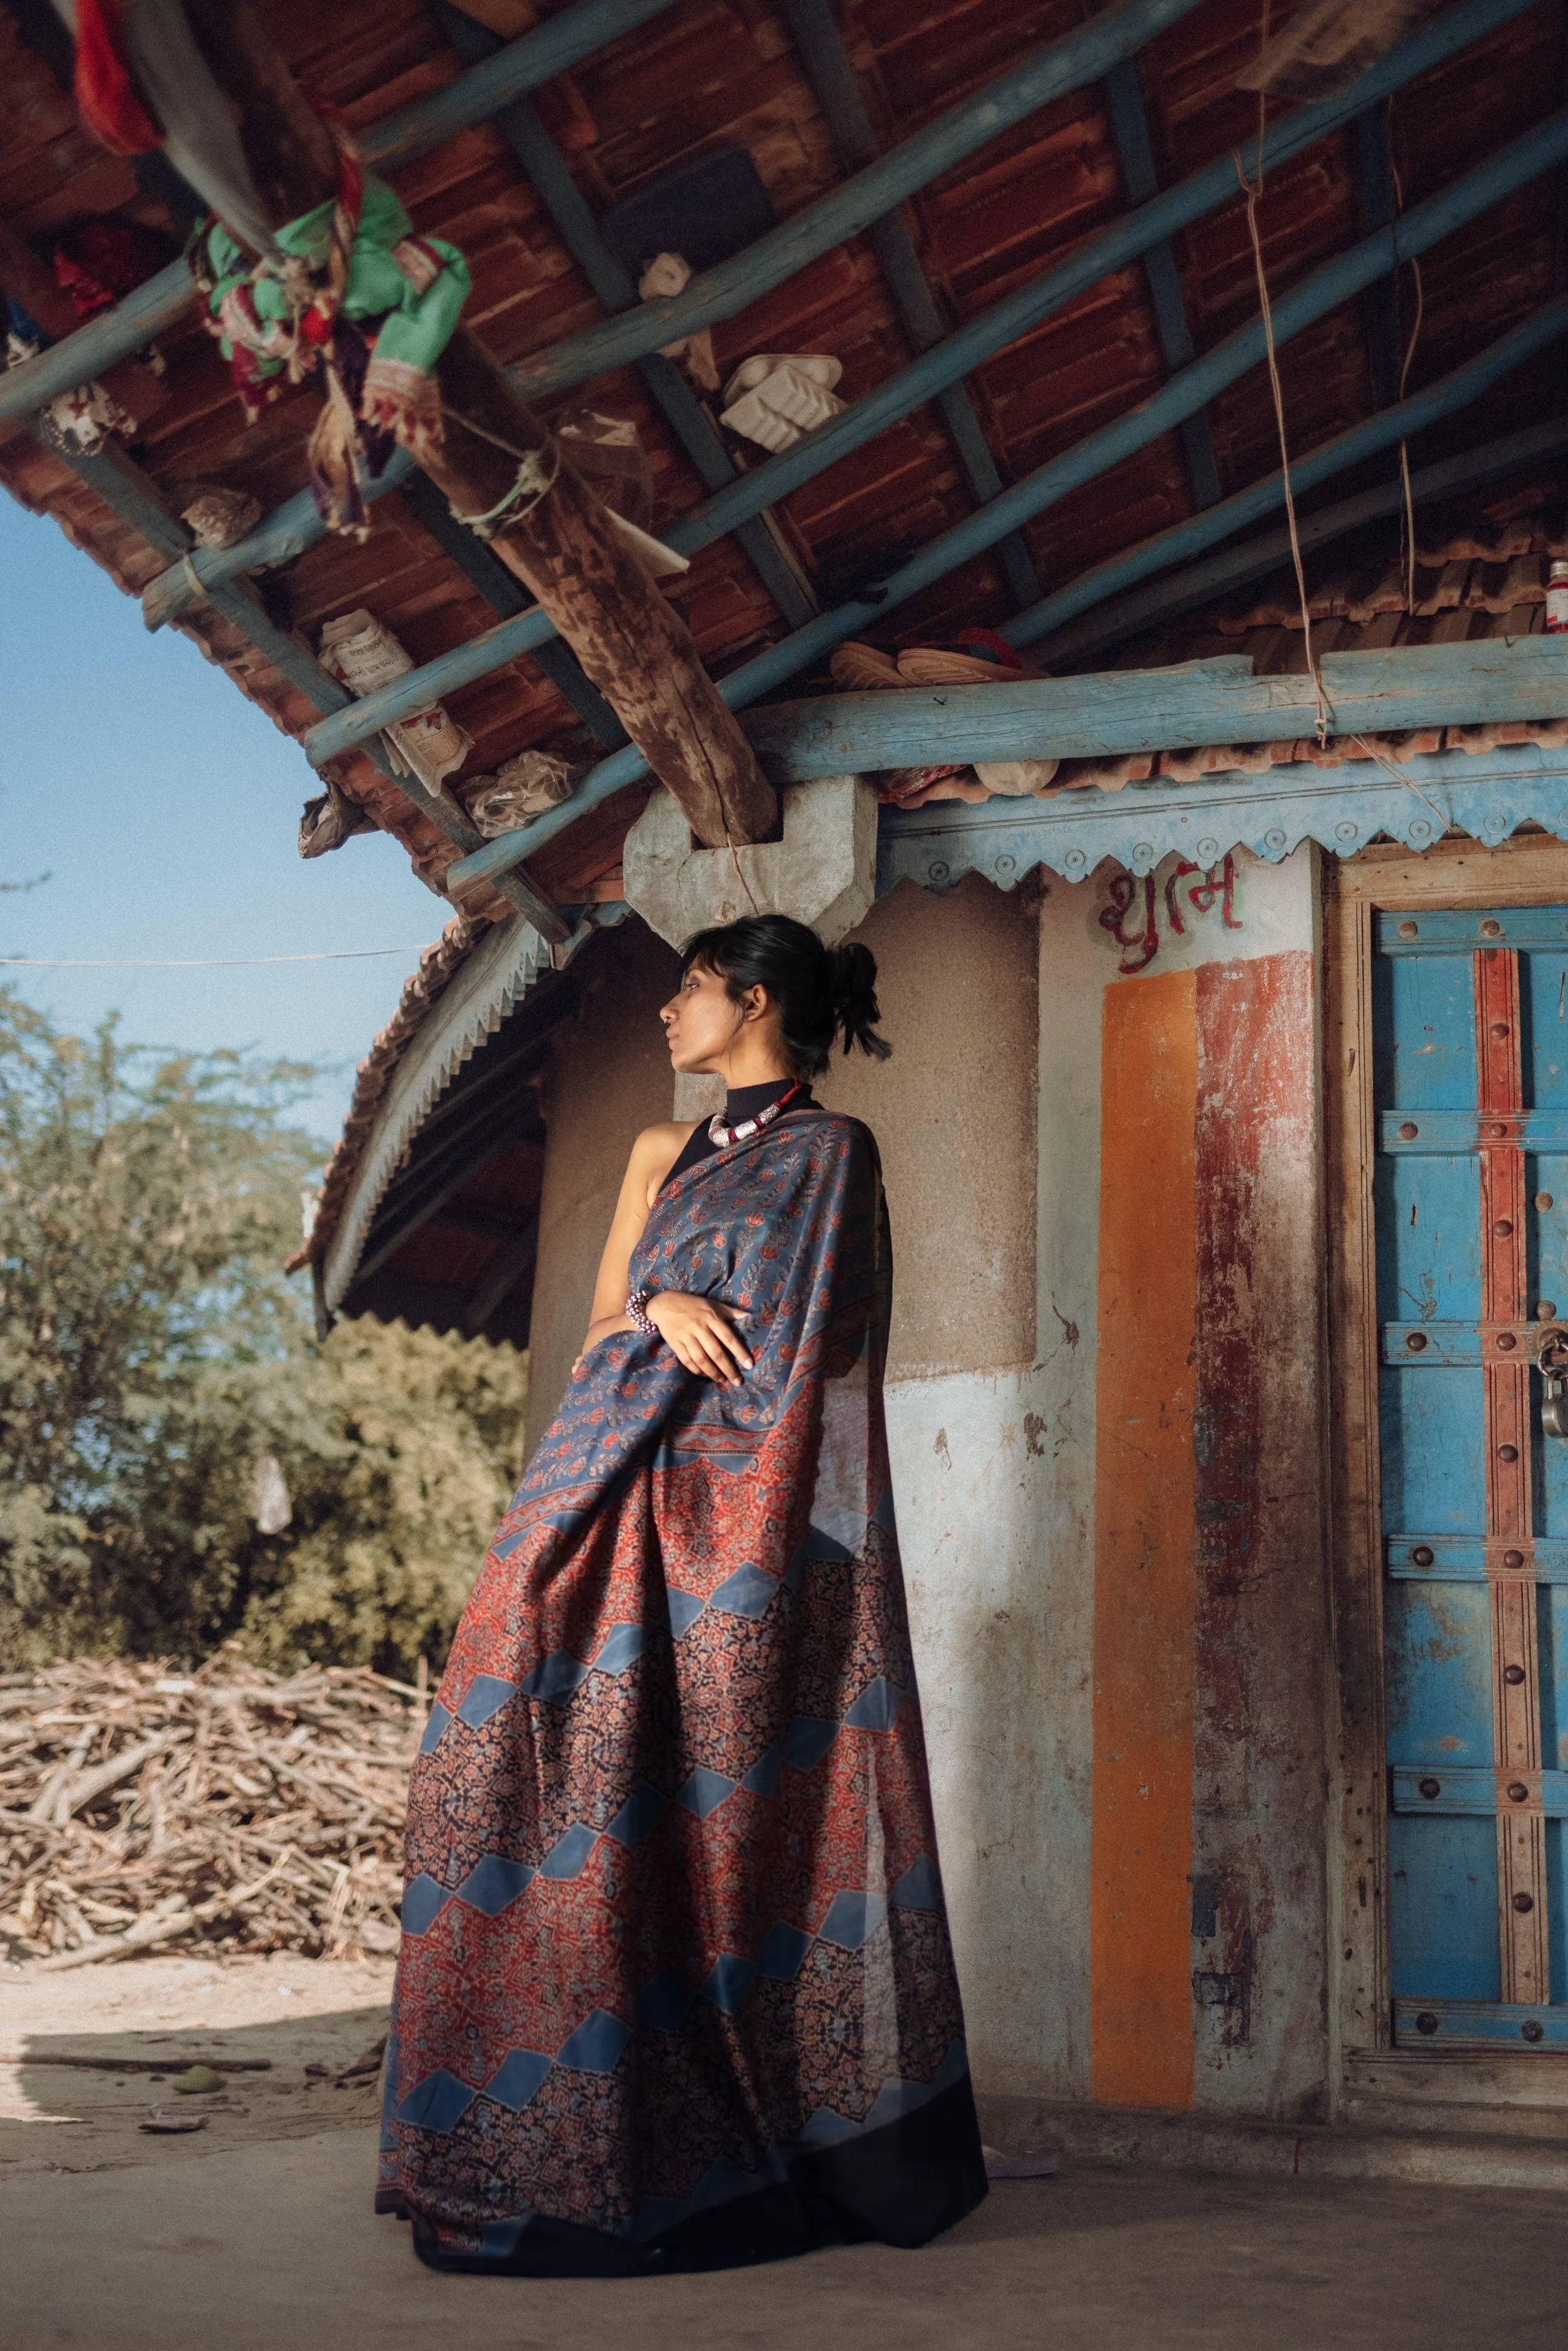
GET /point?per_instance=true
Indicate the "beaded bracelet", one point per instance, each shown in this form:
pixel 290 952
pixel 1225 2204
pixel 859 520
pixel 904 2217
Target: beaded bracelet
pixel 637 1313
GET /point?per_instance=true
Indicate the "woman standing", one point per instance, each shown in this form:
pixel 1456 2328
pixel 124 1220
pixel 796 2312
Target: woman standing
pixel 675 1988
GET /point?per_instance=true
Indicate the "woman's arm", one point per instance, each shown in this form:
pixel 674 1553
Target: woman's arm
pixel 699 1331
pixel 653 1154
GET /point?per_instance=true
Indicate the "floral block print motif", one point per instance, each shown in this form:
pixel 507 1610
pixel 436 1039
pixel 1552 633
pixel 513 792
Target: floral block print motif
pixel 676 1985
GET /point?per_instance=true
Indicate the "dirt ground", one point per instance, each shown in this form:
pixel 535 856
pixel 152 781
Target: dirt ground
pixel 256 2232
pixel 69 2100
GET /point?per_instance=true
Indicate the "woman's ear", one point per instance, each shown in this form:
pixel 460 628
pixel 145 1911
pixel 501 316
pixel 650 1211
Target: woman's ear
pixel 755 1005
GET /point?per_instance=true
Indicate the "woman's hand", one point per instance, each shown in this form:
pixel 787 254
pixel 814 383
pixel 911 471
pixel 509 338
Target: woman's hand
pixel 702 1335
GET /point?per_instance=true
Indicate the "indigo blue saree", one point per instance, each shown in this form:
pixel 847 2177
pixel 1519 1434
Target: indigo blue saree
pixel 675 1987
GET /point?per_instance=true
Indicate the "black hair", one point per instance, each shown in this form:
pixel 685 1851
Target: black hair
pixel 820 993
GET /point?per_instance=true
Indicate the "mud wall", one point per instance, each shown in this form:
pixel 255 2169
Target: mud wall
pixel 608 1077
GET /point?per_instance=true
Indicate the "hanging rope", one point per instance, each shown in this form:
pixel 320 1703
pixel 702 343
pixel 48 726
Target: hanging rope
pixel 1391 767
pixel 1408 515
pixel 1252 191
pixel 534 480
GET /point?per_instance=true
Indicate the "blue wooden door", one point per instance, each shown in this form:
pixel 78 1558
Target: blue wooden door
pixel 1470 1033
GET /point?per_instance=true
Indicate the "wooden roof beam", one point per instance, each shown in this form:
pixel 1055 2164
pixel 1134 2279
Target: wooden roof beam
pixel 1130 129
pixel 1115 714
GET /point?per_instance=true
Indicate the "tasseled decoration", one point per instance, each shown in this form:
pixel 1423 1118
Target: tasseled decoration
pixel 333 453
pixel 405 401
pixel 357 294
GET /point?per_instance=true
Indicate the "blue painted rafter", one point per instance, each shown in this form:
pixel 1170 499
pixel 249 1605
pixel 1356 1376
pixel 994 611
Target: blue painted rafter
pixel 1122 713
pixel 1217 575
pixel 1376 206
pixel 833 79
pixel 1130 126
pixel 694 428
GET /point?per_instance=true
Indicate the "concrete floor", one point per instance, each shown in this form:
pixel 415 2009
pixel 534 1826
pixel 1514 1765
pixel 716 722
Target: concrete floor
pixel 274 2245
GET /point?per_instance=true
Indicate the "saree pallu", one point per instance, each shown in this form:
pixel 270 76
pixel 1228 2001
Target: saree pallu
pixel 675 1987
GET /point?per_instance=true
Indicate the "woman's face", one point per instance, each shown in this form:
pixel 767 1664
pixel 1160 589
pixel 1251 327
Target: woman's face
pixel 702 1021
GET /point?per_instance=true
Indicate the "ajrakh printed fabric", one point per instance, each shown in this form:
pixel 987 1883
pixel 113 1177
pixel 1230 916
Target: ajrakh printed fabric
pixel 675 1986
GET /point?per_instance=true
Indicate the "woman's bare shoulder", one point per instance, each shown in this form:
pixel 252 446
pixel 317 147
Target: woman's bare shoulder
pixel 657 1148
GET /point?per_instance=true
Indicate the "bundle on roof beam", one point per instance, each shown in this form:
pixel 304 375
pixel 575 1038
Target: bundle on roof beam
pixel 495 458
pixel 524 64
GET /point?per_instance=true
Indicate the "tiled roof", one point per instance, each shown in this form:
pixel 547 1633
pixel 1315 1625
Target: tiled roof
pixel 727 70
pixel 438 967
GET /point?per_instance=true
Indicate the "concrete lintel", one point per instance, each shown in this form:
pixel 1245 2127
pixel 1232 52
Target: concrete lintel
pixel 823 872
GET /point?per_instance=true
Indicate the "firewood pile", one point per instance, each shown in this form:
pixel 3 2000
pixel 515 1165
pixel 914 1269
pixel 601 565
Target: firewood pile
pixel 143 1809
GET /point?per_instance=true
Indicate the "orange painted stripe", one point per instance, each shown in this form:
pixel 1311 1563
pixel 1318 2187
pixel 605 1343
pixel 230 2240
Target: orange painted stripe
pixel 1145 1571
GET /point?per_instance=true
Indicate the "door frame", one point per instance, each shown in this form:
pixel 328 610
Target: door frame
pixel 1531 869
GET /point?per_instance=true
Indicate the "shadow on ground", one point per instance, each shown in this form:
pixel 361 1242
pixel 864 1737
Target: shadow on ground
pixel 85 2057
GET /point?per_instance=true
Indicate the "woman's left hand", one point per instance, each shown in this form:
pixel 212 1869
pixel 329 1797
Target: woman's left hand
pixel 702 1335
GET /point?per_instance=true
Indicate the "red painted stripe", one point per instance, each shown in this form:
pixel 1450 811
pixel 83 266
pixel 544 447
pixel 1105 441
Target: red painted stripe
pixel 1257 1705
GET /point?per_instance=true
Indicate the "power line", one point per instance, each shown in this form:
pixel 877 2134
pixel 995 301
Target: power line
pixel 195 963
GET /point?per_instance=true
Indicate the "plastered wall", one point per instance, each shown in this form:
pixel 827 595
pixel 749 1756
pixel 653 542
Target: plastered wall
pixel 1114 1554
pixel 953 1114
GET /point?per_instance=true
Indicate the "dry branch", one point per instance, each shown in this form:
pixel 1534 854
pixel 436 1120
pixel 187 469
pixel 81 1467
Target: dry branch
pixel 232 1808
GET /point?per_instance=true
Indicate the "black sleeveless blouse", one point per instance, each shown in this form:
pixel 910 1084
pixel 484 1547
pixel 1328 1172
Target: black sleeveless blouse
pixel 740 1102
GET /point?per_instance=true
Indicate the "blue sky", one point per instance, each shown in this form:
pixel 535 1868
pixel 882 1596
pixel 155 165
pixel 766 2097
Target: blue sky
pixel 164 807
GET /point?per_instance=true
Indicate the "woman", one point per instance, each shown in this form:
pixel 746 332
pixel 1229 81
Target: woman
pixel 675 1988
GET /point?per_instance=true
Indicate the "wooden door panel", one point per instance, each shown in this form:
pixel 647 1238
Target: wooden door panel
pixel 1470 1200
pixel 1426 1022
pixel 1428 1215
pixel 1433 1480
pixel 1442 1907
pixel 1439 1680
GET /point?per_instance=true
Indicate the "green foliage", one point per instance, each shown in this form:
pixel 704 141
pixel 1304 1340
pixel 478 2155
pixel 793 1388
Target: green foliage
pixel 153 1353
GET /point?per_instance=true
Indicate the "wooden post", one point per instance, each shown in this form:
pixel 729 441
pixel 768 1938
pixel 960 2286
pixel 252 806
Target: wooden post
pixel 562 544
pixel 633 644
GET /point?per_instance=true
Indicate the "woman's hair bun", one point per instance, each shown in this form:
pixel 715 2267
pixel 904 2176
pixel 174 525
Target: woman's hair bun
pixel 853 979
pixel 820 993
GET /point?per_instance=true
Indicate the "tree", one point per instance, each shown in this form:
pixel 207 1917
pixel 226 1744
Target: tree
pixel 154 1356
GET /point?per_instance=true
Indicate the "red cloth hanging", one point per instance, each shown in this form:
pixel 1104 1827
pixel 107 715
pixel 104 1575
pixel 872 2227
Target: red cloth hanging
pixel 106 96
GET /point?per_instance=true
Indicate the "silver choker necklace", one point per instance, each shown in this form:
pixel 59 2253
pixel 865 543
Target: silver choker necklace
pixel 722 1136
